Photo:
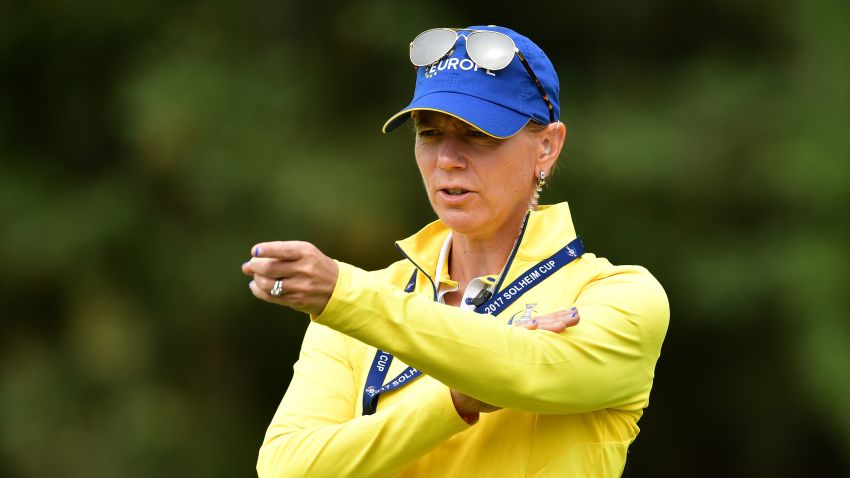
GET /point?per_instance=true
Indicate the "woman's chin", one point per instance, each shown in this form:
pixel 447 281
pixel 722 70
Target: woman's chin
pixel 481 222
pixel 462 221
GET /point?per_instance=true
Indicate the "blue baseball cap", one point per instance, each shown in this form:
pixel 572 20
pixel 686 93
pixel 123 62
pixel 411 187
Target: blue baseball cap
pixel 500 102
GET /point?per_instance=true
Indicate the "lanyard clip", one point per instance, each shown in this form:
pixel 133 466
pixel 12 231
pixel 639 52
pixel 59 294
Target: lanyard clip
pixel 482 297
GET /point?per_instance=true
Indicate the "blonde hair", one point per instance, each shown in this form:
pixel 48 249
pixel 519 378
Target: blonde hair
pixel 534 127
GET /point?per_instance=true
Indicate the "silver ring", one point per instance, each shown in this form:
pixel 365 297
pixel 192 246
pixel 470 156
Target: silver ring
pixel 277 289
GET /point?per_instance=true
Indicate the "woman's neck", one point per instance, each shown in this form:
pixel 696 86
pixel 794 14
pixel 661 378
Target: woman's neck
pixel 476 256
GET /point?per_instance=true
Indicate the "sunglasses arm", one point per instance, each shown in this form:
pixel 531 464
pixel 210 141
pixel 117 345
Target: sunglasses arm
pixel 536 83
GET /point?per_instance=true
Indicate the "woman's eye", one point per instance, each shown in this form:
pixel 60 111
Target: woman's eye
pixel 427 132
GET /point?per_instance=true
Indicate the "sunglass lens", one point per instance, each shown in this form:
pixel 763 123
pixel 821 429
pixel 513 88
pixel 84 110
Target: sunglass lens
pixel 431 45
pixel 490 50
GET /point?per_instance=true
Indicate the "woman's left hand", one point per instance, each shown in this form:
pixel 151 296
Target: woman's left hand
pixel 308 276
pixel 555 322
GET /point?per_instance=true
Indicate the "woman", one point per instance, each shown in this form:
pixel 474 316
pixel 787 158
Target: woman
pixel 418 369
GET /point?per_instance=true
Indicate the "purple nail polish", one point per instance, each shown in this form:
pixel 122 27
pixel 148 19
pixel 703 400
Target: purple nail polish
pixel 257 251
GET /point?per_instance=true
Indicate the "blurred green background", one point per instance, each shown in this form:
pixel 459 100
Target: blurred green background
pixel 146 145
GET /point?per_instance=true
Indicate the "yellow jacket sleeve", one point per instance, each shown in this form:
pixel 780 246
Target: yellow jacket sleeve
pixel 315 431
pixel 607 361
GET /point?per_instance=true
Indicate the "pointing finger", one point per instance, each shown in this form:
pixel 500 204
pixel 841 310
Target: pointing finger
pixel 282 250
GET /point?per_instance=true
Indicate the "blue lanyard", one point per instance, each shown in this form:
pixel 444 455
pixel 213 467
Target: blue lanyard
pixel 538 273
pixel 381 365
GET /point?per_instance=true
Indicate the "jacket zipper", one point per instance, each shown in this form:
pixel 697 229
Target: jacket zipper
pixel 501 276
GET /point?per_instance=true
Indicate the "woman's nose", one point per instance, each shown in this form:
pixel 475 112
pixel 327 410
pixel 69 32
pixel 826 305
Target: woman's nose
pixel 451 154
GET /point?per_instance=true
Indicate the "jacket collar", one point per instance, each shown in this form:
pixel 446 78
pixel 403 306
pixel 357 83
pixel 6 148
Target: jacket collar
pixel 547 230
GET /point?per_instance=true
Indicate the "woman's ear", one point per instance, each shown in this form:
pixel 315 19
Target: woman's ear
pixel 552 140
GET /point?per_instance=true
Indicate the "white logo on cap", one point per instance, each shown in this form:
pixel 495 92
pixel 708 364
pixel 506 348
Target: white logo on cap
pixel 453 64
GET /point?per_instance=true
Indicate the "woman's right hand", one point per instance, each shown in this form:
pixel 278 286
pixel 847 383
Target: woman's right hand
pixel 469 408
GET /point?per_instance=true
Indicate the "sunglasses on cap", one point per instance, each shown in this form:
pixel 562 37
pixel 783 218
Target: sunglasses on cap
pixel 488 49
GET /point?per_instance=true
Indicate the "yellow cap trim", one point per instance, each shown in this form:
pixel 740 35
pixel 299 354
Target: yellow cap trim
pixel 408 111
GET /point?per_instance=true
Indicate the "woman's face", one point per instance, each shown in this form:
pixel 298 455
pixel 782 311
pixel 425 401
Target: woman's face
pixel 478 185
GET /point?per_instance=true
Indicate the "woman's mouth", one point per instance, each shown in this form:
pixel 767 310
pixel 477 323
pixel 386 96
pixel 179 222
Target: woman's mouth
pixel 454 194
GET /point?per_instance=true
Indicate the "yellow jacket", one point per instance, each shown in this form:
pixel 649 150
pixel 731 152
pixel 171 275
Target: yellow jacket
pixel 571 401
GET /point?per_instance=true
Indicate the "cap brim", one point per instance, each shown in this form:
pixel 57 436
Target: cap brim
pixel 493 119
